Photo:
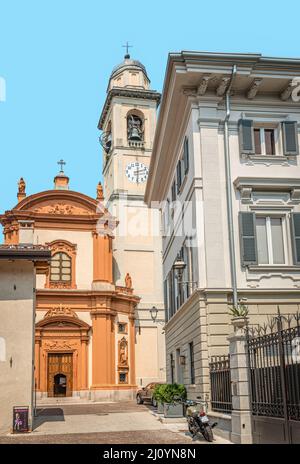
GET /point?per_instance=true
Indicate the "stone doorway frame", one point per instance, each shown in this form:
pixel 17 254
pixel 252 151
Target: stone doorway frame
pixel 61 331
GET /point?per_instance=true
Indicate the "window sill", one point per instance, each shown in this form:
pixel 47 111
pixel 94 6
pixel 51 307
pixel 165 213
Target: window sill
pixel 274 268
pixel 269 158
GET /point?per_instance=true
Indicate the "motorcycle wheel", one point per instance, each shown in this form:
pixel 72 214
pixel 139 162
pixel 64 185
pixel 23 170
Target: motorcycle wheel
pixel 208 433
pixel 190 429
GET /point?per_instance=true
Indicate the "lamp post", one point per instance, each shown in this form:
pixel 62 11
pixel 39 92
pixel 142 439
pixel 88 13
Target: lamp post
pixel 179 266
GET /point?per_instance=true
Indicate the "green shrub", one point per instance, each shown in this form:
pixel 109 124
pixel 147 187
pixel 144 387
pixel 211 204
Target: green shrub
pixel 157 395
pixel 168 393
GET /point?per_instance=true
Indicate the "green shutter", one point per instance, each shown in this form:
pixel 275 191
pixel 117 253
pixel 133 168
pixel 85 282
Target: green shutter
pixel 178 176
pixel 166 299
pixel 295 229
pixel 290 138
pixel 248 238
pixel 246 136
pixel 186 155
pixel 174 191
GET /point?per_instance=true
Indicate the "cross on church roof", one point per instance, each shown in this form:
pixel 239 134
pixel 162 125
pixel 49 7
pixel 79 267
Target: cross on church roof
pixel 62 163
pixel 127 46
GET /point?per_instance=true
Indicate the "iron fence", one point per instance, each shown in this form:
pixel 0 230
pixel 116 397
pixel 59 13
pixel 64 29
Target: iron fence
pixel 220 383
pixel 274 364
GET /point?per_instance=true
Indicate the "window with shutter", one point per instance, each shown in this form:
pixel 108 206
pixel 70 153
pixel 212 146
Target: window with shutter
pixel 166 300
pixel 174 191
pixel 295 228
pixel 171 293
pixel 246 136
pixel 248 238
pixel 290 138
pixel 178 176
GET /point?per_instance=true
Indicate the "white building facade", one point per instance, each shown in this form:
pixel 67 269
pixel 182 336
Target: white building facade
pixel 216 197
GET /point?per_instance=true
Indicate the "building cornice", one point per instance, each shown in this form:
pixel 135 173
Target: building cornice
pixel 267 183
pixel 26 252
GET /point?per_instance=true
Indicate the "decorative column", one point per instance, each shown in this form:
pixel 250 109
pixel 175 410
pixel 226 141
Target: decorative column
pixel 240 382
pixel 132 349
pixel 37 350
pixel 84 363
pixel 103 356
pixel 102 258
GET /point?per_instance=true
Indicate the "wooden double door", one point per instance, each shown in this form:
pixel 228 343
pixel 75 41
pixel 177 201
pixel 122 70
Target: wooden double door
pixel 60 374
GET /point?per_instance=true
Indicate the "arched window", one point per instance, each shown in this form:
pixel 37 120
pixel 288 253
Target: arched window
pixel 135 128
pixel 60 268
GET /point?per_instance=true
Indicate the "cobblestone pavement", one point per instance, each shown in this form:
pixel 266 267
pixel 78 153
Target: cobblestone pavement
pixel 141 436
pixel 105 423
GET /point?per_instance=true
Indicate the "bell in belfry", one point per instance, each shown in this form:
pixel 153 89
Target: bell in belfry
pixel 134 128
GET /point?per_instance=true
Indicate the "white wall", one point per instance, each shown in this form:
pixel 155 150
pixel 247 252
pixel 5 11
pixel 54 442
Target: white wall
pixel 16 328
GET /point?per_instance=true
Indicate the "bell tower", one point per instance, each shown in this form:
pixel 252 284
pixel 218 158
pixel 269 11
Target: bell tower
pixel 127 122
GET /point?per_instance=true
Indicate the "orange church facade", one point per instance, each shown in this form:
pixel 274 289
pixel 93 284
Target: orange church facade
pixel 85 324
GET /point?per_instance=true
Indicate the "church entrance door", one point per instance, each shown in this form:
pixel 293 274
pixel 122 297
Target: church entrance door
pixel 60 374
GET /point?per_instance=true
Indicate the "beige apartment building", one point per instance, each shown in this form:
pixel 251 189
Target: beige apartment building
pixel 227 147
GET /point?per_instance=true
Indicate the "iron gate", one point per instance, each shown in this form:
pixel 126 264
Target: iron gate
pixel 220 384
pixel 274 368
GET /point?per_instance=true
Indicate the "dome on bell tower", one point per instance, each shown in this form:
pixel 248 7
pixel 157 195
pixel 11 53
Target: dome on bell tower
pixel 130 73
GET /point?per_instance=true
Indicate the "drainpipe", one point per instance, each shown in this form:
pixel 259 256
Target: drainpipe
pixel 229 190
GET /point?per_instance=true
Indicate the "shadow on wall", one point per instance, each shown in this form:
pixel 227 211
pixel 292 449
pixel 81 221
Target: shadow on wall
pixel 116 271
pixel 48 415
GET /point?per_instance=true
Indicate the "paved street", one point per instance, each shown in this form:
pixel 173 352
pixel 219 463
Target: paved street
pixel 109 423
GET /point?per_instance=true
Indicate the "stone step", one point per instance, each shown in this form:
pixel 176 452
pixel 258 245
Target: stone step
pixel 61 400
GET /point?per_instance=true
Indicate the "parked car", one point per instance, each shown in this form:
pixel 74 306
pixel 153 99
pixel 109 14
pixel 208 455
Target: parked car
pixel 145 394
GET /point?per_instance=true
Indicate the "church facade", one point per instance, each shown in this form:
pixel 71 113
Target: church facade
pixel 85 324
pixel 99 309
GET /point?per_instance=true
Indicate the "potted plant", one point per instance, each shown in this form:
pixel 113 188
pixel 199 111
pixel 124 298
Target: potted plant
pixel 239 315
pixel 158 396
pixel 171 395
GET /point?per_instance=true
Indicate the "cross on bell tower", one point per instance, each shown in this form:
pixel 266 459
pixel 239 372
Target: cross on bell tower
pixel 127 46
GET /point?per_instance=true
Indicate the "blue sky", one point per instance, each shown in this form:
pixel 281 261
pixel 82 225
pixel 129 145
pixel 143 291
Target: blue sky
pixel 56 58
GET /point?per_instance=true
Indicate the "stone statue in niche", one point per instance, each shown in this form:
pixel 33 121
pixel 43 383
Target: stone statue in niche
pixel 21 185
pixel 134 128
pixel 123 352
pixel 128 281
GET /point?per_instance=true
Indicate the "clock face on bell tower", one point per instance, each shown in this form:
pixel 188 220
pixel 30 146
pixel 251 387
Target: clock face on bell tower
pixel 137 172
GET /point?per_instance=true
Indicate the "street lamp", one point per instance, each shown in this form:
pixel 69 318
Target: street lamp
pixel 153 313
pixel 179 266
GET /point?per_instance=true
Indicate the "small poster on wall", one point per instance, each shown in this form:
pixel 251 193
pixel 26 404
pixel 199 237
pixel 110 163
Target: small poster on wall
pixel 20 419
